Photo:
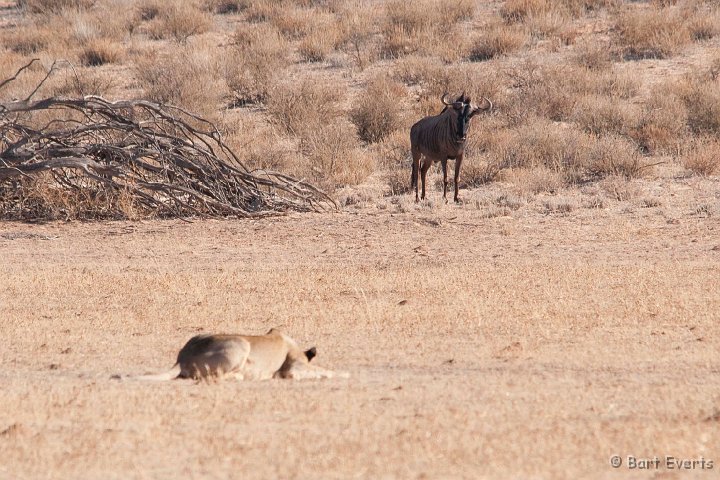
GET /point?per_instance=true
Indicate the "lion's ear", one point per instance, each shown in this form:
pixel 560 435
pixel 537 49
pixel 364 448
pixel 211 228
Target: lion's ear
pixel 310 354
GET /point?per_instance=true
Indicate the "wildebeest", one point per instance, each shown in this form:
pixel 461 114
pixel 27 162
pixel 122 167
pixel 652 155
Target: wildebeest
pixel 442 137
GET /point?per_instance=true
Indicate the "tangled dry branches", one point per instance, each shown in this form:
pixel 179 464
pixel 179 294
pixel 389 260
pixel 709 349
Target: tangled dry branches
pixel 166 160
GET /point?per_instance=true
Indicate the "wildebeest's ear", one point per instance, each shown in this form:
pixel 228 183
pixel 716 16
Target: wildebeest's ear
pixel 310 354
pixel 460 99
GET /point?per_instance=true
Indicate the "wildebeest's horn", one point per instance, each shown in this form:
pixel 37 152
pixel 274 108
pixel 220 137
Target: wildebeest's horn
pixel 489 104
pixel 442 99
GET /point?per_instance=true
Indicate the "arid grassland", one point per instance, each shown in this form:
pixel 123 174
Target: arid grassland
pixel 566 311
pixel 530 345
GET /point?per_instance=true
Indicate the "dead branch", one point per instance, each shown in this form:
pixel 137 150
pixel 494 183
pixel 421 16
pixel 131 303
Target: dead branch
pixel 170 161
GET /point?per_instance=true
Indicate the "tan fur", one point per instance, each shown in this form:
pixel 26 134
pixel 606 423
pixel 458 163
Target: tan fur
pixel 243 357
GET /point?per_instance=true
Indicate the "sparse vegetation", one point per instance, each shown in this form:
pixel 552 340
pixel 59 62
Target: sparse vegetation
pixel 295 86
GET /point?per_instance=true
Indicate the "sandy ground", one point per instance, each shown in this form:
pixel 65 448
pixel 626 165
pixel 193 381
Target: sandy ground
pixel 529 345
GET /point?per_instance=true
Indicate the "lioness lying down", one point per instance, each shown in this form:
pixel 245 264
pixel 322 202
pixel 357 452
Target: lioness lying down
pixel 243 357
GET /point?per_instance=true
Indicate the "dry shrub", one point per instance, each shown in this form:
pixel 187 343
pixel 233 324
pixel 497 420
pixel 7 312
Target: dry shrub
pixel 179 20
pixel 186 77
pixel 53 6
pixel 619 188
pixel 378 110
pixel 545 92
pixel 701 96
pixel 41 197
pixel 704 156
pixel 397 181
pixel 79 84
pixel 554 92
pixel 623 85
pixel 521 10
pixel 334 154
pixel 479 170
pixel 602 115
pixel 426 26
pixel 457 11
pixel 552 24
pixel 295 22
pixel 614 155
pixel 28 80
pixel 594 56
pixel 497 39
pixel 559 205
pixel 316 46
pixel 225 7
pixel 652 32
pixel 28 40
pixel 100 52
pixel 533 180
pixel 302 107
pixel 256 58
pixel 558 148
pixel 355 30
pixel 662 123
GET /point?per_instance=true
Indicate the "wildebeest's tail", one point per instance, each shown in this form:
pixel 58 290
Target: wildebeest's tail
pixel 414 175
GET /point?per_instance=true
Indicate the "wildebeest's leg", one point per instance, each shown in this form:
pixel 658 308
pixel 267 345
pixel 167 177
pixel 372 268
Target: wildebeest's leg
pixel 427 162
pixel 414 174
pixel 444 169
pixel 458 162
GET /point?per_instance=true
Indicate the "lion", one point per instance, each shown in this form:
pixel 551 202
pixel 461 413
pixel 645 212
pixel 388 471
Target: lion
pixel 243 357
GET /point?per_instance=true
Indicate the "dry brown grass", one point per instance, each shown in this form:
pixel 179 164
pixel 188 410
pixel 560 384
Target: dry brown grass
pixel 298 108
pixel 600 115
pixel 703 157
pixel 615 156
pixel 701 97
pixel 54 6
pixel 555 74
pixel 189 77
pixel 257 57
pixel 378 111
pixel 662 31
pixel 179 20
pixel 410 29
pixel 334 155
pixel 522 10
pixel 588 318
pixel 495 40
pixel 100 52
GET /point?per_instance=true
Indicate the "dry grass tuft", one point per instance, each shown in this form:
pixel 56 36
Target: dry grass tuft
pixel 28 40
pixel 701 96
pixel 652 32
pixel 495 40
pixel 615 156
pixel 100 52
pixel 378 110
pixel 334 155
pixel 179 20
pixel 186 77
pixel 54 6
pixel 602 115
pixel 594 56
pixel 256 58
pixel 662 123
pixel 409 28
pixel 225 7
pixel 316 46
pixel 704 156
pixel 299 108
pixel 521 10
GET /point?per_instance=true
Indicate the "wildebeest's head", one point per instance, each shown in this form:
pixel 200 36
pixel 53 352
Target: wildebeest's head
pixel 464 111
